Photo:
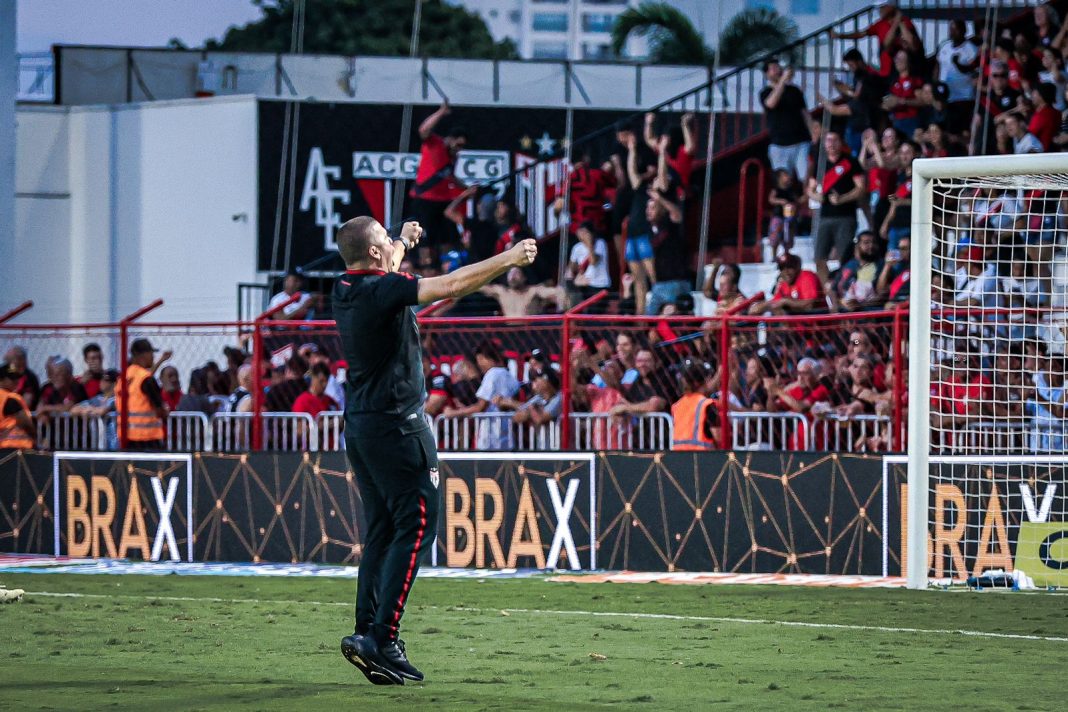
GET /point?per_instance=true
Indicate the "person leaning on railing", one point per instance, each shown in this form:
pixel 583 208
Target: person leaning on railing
pixel 546 405
pixel 17 429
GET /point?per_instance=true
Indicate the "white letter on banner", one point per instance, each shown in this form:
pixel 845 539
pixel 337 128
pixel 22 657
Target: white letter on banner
pixel 562 535
pixel 1042 515
pixel 165 530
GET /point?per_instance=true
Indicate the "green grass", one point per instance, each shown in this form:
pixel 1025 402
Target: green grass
pixel 275 646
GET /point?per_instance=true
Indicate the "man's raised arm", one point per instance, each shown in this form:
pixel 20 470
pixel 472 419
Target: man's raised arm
pixel 471 278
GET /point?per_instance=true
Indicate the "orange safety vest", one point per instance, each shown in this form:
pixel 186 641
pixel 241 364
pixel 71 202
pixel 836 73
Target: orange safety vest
pixel 145 425
pixel 12 436
pixel 689 414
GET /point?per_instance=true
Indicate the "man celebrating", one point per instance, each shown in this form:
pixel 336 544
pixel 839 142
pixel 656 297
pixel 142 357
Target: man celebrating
pixel 435 184
pixel 388 442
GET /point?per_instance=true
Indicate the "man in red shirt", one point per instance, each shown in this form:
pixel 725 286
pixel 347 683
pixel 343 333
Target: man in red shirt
pixel 894 32
pixel 1046 121
pixel 435 184
pixel 797 291
pixel 314 400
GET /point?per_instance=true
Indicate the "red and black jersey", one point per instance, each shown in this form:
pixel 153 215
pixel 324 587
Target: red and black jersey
pixel 839 180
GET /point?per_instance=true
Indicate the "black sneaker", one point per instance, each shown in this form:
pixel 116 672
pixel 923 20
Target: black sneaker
pixel 393 652
pixel 362 651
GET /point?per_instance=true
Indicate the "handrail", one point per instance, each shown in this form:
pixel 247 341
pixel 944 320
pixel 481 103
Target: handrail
pixel 12 313
pixel 590 301
pixel 271 311
pixel 743 305
pixel 743 193
pixel 440 304
pixel 124 365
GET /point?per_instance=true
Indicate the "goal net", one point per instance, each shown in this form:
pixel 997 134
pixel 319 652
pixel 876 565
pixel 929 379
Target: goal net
pixel 988 463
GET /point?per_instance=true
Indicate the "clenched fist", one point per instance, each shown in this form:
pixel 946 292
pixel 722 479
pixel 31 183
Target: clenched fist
pixel 412 232
pixel 524 252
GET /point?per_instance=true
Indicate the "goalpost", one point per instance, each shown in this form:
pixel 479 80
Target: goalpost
pixel 987 440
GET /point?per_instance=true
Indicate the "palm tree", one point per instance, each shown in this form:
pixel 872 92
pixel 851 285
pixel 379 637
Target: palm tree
pixel 674 40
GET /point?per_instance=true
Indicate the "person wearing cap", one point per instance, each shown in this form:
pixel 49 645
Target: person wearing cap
pixel 17 429
pixel 798 290
pixel 894 32
pixel 302 307
pixel 436 184
pixel 546 405
pixel 143 428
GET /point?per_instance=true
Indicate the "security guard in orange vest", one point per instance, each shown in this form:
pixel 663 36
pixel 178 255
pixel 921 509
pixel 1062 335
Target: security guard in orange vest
pixel 694 414
pixel 145 402
pixel 17 429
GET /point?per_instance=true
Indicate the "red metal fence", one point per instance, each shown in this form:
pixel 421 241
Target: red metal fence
pixel 761 354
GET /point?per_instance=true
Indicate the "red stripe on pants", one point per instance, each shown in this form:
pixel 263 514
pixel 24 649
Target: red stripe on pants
pixel 411 565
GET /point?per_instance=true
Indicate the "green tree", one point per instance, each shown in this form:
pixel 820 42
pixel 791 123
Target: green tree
pixel 673 39
pixel 367 27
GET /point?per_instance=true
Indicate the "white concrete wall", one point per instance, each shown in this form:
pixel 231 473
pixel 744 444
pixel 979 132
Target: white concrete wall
pixel 121 205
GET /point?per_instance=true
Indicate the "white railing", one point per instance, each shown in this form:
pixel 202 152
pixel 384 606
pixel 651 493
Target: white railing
pixel 289 431
pixel 493 431
pixel 604 431
pixel 71 431
pixel 769 431
pixel 855 433
pixel 231 432
pixel 331 429
pixel 188 432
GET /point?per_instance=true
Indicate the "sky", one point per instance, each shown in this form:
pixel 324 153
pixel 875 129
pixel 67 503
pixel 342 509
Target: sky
pixel 149 23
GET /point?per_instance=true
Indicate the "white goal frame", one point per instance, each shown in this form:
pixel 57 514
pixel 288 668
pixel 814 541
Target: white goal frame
pixel 924 172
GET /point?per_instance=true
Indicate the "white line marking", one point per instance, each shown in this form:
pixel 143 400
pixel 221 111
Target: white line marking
pixel 599 614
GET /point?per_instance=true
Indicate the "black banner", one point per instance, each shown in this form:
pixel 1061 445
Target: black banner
pixel 334 179
pixel 738 512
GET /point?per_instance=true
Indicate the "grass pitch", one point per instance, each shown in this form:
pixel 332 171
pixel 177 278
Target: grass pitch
pixel 181 642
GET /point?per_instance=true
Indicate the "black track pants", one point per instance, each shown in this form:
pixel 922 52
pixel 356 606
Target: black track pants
pixel 397 477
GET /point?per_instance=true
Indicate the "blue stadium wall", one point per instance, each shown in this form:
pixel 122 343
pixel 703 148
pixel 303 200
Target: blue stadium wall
pixel 749 512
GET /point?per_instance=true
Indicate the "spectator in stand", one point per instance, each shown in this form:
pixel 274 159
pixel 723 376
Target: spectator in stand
pixel 977 282
pixel 144 400
pixel 894 32
pixel 784 200
pixel 103 404
pixel 1029 60
pixel 1005 53
pixel 955 61
pixel 302 308
pixel 1023 141
pixel 281 396
pixel 464 379
pixel 170 388
pixel 613 431
pixel 1050 407
pixel 797 291
pixel 898 220
pixel 1047 30
pixel 27 386
pixel 650 392
pixel 995 100
pixel 334 387
pixel 235 358
pixel 1053 73
pixel 509 226
pixel 240 400
pixel 855 288
pixel 546 405
pixel 677 146
pixel 195 399
pixel 938 144
pixel 62 392
pixel 788 120
pixel 893 285
pixel 800 396
pixel 1046 121
pixel 860 104
pixel 314 400
pixel 902 102
pixel 498 384
pixel 435 182
pixel 17 429
pixel 639 245
pixel 839 197
pixel 866 394
pixel 669 248
pixel 94 369
pixel 588 264
pixel 1009 390
pixel 860 345
pixel 480 232
pixel 722 286
pixel 881 161
pixel 519 299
